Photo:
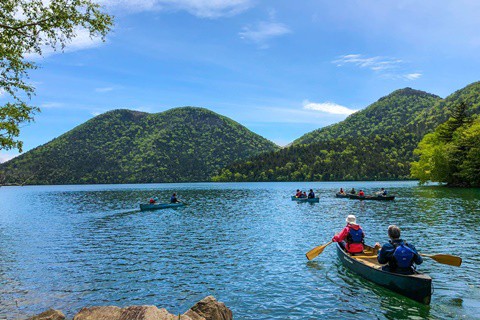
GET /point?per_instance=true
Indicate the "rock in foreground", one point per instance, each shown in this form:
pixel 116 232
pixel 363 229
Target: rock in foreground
pixel 206 309
pixel 50 314
pixel 209 309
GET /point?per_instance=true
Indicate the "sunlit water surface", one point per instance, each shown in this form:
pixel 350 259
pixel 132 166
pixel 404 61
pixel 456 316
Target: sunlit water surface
pixel 68 247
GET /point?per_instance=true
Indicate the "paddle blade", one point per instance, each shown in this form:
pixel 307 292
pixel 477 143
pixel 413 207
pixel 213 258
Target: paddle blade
pixel 316 251
pixel 445 259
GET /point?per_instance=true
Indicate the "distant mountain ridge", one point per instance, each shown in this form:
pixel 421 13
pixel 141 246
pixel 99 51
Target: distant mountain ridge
pixel 375 143
pixel 385 116
pixel 124 146
pixel 193 144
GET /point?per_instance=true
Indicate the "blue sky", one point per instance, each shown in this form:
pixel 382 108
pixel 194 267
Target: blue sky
pixel 281 68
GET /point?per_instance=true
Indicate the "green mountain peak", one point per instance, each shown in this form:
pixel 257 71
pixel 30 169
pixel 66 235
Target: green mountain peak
pixel 125 146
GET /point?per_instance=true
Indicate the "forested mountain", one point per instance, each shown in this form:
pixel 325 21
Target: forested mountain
pixel 390 114
pixel 376 143
pixel 441 111
pixel 123 146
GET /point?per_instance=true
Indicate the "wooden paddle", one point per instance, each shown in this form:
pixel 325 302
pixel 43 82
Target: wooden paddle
pixel 316 251
pixel 440 258
pixel 445 259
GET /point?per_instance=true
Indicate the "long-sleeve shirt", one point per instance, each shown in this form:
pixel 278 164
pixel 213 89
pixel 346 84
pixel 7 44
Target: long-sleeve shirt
pixel 342 236
pixel 386 254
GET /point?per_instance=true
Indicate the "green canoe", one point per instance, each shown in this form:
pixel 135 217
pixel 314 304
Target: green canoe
pixel 341 195
pixel 380 198
pixel 417 286
pixel 305 199
pixel 156 206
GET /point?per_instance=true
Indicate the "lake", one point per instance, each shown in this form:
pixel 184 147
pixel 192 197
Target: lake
pixel 67 247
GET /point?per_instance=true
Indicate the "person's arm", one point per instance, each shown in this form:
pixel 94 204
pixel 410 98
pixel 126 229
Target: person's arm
pixel 385 253
pixel 340 236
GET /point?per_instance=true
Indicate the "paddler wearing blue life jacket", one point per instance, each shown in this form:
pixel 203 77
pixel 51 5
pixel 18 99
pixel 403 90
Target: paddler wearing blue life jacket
pixel 173 198
pixel 398 255
pixel 382 192
pixel 351 237
pixel 311 194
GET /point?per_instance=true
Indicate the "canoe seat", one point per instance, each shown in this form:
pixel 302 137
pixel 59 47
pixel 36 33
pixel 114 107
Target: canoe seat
pixel 369 257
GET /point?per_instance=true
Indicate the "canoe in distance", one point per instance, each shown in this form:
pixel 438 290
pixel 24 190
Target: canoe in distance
pixel 417 286
pixel 305 199
pixel 380 198
pixel 341 195
pixel 156 206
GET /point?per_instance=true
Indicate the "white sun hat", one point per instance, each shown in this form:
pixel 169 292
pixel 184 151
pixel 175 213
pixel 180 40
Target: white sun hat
pixel 351 219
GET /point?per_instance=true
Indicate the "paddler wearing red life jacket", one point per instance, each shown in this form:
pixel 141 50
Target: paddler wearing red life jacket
pixel 351 237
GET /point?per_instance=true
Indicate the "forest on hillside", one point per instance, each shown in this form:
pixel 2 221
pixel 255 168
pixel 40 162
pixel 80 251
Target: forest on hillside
pixel 376 143
pixel 363 158
pixel 123 146
pixel 389 114
pixel 451 154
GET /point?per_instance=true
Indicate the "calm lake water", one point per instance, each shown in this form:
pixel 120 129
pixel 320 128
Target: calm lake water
pixel 68 247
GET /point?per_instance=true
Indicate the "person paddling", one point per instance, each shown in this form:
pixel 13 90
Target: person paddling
pixel 351 237
pixel 311 194
pixel 382 192
pixel 398 255
pixel 173 198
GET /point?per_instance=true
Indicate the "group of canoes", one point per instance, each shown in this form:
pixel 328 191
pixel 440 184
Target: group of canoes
pixel 380 195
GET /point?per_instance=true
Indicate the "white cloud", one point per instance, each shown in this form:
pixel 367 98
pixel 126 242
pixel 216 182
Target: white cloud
pixel 200 8
pixel 81 41
pixel 105 89
pixel 390 68
pixel 412 76
pixel 264 31
pixel 372 63
pixel 328 107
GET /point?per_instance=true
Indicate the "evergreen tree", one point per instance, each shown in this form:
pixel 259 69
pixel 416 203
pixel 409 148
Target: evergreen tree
pixel 451 154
